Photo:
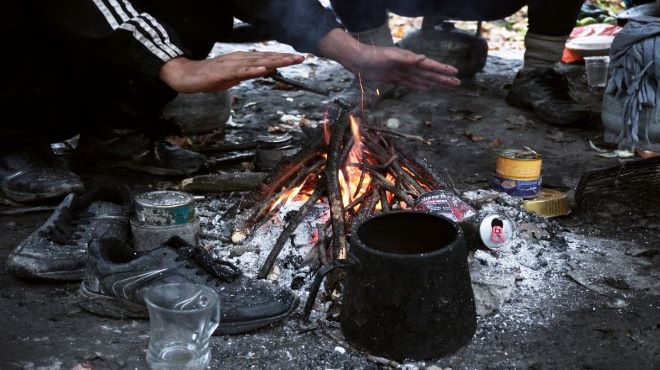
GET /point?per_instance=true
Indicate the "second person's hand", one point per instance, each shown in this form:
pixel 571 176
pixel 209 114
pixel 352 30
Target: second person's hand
pixel 220 73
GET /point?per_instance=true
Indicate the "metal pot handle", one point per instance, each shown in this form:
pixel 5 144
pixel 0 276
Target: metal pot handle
pixel 320 275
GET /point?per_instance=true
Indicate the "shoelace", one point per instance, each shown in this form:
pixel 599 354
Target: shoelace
pixel 67 227
pixel 201 260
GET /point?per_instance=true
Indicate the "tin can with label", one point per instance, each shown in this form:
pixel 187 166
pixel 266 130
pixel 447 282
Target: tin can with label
pixel 164 208
pixel 445 203
pixel 518 173
pixel 160 215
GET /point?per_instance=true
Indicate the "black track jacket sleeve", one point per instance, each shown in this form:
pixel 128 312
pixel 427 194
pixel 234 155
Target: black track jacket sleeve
pixel 114 30
pixel 300 23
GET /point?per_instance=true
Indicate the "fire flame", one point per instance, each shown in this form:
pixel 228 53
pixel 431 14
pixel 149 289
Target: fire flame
pixel 352 181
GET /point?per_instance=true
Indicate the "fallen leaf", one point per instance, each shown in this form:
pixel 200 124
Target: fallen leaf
pixel 474 138
pixel 464 115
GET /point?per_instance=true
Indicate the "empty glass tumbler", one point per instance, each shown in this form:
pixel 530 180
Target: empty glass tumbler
pixel 182 318
pixel 597 68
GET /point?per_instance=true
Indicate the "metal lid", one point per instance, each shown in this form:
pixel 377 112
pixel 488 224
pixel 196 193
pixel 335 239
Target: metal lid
pixel 164 199
pixel 549 203
pixel 274 141
pixel 520 154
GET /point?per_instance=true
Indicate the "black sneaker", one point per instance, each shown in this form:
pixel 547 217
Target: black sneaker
pixel 546 92
pixel 118 278
pixel 33 174
pixel 140 153
pixel 58 249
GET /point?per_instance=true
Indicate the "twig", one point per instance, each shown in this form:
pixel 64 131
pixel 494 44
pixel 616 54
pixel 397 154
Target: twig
pixel 303 86
pixel 375 359
pixel 289 229
pixel 385 205
pixel 387 131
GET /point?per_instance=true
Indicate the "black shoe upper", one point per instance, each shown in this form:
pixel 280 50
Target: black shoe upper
pixel 116 271
pixel 58 248
pixel 546 91
pixel 140 152
pixel 33 174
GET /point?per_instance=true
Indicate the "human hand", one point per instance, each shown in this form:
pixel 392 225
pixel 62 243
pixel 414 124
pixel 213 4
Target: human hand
pixel 389 64
pixel 403 67
pixel 220 73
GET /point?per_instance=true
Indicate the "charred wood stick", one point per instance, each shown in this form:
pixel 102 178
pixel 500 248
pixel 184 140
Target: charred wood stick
pixel 420 170
pixel 375 359
pixel 367 207
pixel 282 176
pixel 300 85
pixel 407 178
pixel 340 249
pixel 388 131
pixel 215 161
pixel 266 206
pixel 385 204
pixel 395 190
pixel 289 229
pixel 224 181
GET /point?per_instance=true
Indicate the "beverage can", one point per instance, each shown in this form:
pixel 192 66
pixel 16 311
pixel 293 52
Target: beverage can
pixel 445 203
pixel 497 231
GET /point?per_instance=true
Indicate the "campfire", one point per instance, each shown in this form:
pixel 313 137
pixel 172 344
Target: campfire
pixel 357 168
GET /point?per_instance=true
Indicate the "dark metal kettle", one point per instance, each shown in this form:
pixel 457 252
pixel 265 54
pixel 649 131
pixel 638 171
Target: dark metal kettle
pixel 443 42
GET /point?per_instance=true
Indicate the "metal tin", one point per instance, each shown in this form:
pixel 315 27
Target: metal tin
pixel 164 208
pixel 271 149
pixel 147 237
pixel 518 164
pixel 497 231
pixel 549 203
pixel 516 187
pixel 445 203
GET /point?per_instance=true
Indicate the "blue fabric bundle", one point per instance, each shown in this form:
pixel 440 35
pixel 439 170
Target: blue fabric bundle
pixel 634 73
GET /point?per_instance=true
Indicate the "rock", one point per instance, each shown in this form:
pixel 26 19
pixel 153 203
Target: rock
pixel 490 294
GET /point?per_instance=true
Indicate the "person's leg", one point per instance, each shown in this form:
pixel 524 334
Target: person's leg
pixel 550 24
pixel 30 99
pixel 538 86
pixel 361 15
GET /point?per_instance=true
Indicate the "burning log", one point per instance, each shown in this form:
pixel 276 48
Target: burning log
pixel 357 168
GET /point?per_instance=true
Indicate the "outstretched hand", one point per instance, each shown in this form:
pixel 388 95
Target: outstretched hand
pixel 403 67
pixel 220 73
pixel 389 64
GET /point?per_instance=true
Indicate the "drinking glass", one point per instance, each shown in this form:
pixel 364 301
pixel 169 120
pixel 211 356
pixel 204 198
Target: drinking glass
pixel 182 318
pixel 597 68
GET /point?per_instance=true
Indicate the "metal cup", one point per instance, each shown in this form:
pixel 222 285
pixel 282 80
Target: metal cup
pixel 182 318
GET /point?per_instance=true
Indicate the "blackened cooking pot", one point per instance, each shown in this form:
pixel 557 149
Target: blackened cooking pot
pixel 407 292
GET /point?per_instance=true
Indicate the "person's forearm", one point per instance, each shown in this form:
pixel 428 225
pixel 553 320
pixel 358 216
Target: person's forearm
pixel 341 47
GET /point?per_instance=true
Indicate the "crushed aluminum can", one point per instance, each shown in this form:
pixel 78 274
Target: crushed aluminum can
pixel 497 231
pixel 445 203
pixel 165 208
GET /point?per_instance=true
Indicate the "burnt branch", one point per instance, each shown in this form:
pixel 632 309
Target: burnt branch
pixel 289 229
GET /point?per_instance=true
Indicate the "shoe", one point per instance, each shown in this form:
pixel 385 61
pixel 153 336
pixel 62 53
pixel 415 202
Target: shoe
pixel 139 153
pixel 117 278
pixel 33 174
pixel 58 249
pixel 546 92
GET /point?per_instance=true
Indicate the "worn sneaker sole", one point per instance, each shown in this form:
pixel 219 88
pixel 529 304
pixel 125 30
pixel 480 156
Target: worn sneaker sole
pixel 20 266
pixel 21 197
pixel 117 308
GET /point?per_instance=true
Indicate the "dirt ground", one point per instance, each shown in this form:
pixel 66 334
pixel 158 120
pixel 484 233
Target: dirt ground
pixel 574 326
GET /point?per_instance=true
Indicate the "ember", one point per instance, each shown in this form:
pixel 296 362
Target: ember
pixel 356 168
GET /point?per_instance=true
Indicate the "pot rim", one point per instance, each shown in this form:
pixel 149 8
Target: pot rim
pixel 445 249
